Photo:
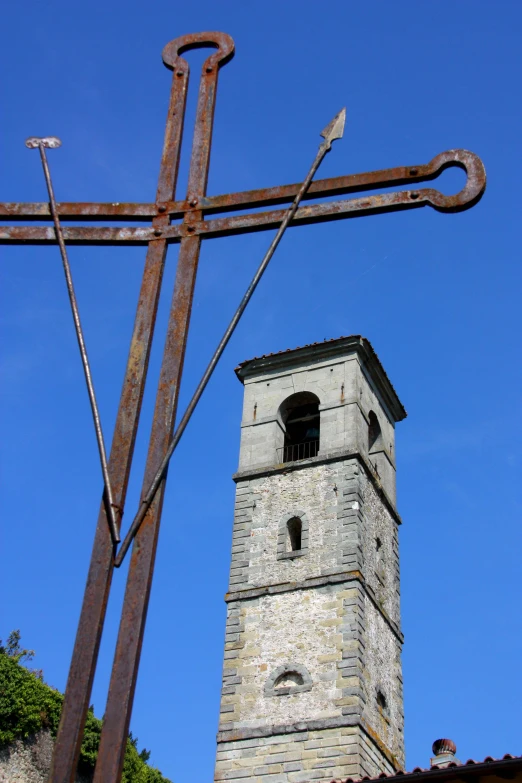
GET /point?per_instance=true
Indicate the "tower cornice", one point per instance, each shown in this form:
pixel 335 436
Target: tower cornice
pixel 327 350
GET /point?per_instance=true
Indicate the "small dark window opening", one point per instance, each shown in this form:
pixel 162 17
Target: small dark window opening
pixel 301 419
pixel 294 527
pixel 288 680
pixel 380 573
pixel 374 430
pixel 381 701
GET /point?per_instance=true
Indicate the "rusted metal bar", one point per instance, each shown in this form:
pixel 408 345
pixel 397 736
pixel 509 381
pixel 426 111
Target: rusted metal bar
pixel 262 221
pixel 333 131
pixel 86 211
pixel 266 197
pixel 44 235
pixel 85 654
pixel 197 212
pixel 52 142
pixel 352 183
pixel 128 647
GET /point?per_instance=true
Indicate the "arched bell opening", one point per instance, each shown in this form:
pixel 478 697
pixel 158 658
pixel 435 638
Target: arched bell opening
pixel 300 418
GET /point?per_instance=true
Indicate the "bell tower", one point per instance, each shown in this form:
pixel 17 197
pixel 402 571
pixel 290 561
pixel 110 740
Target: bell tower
pixel 312 683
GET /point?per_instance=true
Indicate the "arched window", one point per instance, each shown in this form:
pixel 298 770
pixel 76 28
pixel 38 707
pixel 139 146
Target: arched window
pixel 288 679
pixel 374 431
pixel 301 421
pixel 294 528
pixel 292 535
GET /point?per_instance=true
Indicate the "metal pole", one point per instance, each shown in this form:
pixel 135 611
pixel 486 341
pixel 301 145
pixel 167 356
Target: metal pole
pixel 99 578
pixel 132 625
pixel 52 142
pixel 333 131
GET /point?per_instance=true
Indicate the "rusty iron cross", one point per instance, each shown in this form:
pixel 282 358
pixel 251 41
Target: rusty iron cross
pixel 199 221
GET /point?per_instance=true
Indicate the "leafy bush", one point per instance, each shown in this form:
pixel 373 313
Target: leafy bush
pixel 28 704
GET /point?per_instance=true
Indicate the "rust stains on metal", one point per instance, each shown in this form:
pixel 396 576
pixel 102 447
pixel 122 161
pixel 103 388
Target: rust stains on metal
pixel 332 132
pixel 52 142
pixel 73 211
pixel 200 216
pixel 85 654
pixel 132 625
pixel 237 224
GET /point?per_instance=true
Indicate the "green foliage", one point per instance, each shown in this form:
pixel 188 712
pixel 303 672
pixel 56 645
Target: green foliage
pixel 13 650
pixel 27 705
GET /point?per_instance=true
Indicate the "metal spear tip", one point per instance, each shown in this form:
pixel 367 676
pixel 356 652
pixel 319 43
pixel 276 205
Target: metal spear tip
pixel 335 129
pixel 51 142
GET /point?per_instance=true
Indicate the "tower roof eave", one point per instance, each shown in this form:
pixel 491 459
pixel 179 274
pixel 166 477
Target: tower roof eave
pixel 325 350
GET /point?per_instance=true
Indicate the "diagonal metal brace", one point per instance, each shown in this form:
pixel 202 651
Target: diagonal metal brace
pixel 202 217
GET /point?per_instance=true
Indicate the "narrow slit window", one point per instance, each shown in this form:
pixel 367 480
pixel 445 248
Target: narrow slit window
pixel 382 705
pixel 294 529
pixel 374 431
pixel 292 535
pixel 380 571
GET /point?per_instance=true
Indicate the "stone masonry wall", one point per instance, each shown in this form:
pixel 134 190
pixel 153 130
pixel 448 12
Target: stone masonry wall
pixel 265 504
pixel 312 684
pixel 299 757
pixel 371 760
pixel 382 672
pixel 337 636
pixel 345 515
pixel 379 536
pixel 334 611
pixel 295 627
pixel 346 395
pixel 29 760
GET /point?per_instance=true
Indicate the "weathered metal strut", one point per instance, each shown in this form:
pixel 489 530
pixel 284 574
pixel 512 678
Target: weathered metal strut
pixel 52 142
pixel 259 221
pixel 197 211
pixel 333 131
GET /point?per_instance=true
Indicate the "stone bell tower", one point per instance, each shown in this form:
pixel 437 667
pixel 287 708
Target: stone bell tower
pixel 312 683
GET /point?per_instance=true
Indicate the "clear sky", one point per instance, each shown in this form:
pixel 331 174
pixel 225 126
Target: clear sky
pixel 438 296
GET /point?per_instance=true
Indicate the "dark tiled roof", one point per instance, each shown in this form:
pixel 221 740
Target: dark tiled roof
pixel 508 766
pixel 301 347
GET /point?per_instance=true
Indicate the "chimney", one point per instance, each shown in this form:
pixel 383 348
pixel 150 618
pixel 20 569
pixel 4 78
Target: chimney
pixel 444 750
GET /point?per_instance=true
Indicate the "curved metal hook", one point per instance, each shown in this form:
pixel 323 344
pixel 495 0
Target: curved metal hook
pixel 221 41
pixel 470 194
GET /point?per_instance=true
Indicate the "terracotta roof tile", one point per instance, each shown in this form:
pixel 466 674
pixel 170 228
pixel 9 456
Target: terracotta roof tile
pixel 491 765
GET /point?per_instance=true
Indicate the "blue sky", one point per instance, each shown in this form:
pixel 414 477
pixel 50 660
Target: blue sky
pixel 438 296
